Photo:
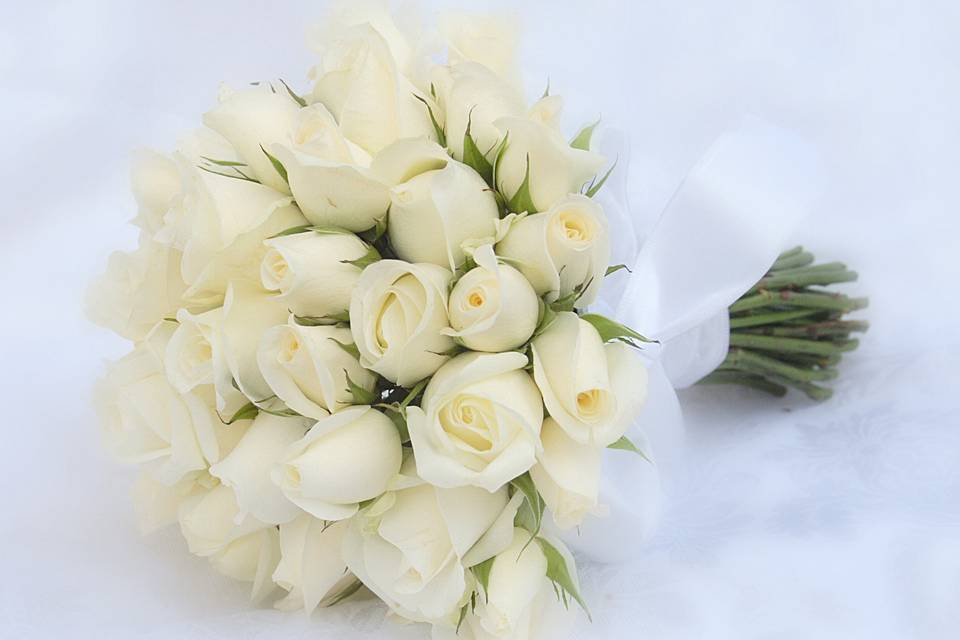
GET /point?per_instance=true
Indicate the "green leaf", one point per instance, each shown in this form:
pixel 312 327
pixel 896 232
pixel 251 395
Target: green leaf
pixel 522 201
pixel 399 419
pixel 277 165
pixel 360 395
pixel 343 594
pixel 414 393
pixel 546 91
pixel 592 191
pixel 322 321
pixel 530 514
pixel 625 444
pixel 617 267
pixel 561 574
pixel 224 163
pixel 482 573
pixel 300 101
pixel 348 347
pixel 473 157
pixel 437 129
pixel 610 330
pixel 371 256
pixel 582 139
pixel 248 411
pixel 380 229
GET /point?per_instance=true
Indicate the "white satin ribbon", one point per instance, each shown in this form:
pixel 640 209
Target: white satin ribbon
pixel 722 229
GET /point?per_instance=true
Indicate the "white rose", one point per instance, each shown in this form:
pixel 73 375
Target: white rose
pixel 137 290
pixel 241 548
pixel 155 181
pixel 593 390
pixel 492 307
pixel 253 119
pixel 567 474
pixel 223 224
pixel 479 422
pixel 432 214
pixel 311 562
pixel 359 82
pixel 145 420
pixel 487 39
pixel 329 175
pixel 561 250
pixel 413 547
pixel 345 14
pixel 555 168
pixel 396 314
pixel 312 271
pixel 157 504
pixel 470 92
pixel 308 369
pixel 248 312
pixel 189 355
pixel 247 469
pixel 519 602
pixel 343 460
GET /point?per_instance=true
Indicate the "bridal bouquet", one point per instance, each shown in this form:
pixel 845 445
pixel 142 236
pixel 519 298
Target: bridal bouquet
pixel 361 353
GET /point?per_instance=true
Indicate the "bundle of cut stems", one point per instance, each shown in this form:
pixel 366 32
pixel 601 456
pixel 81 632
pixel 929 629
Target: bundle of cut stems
pixel 789 330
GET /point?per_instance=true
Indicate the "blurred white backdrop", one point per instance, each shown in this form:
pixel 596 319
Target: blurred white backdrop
pixel 790 520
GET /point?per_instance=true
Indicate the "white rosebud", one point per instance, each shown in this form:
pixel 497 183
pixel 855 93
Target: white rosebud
pixel 241 548
pixel 594 391
pixel 312 271
pixel 145 420
pixel 223 224
pixel 487 39
pixel 519 602
pixel 248 467
pixel 435 212
pixel 479 422
pixel 311 562
pixel 157 504
pixel 329 175
pixel 248 312
pixel 492 307
pixel 472 93
pixel 343 460
pixel 555 168
pixel 308 367
pixel 563 250
pixel 413 547
pixel 567 474
pixel 396 314
pixel 189 355
pixel 137 290
pixel 253 119
pixel 155 181
pixel 359 82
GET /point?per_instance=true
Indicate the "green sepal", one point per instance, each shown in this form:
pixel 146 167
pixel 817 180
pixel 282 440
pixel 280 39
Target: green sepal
pixel 482 573
pixel 559 573
pixel 399 419
pixel 224 163
pixel 616 267
pixel 348 347
pixel 611 330
pixel 298 99
pixel 522 201
pixel 242 175
pixel 316 228
pixel 277 165
pixel 248 411
pixel 584 136
pixel 343 594
pixel 626 444
pixel 530 514
pixel 322 321
pixel 360 395
pixel 595 187
pixel 371 256
pixel 473 157
pixel 437 129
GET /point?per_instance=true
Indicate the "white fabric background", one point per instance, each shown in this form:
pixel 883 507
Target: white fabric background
pixel 789 521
